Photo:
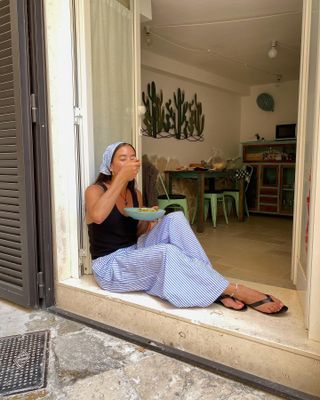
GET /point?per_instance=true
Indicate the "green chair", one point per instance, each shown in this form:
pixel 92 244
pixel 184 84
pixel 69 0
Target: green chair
pixel 212 200
pixel 233 195
pixel 175 202
pixel 172 202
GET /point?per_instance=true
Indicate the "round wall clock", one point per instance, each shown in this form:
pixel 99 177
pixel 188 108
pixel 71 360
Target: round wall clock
pixel 265 102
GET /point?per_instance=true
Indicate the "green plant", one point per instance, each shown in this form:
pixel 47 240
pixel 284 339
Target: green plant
pixel 154 115
pixel 169 117
pixel 180 119
pixel 198 117
pixel 191 121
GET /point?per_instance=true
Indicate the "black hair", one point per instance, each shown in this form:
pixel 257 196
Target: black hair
pixel 102 178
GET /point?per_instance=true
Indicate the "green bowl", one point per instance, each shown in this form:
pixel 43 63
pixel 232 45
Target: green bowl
pixel 139 214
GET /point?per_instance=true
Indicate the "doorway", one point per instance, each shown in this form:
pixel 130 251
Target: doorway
pixel 224 98
pixel 259 250
pixel 141 314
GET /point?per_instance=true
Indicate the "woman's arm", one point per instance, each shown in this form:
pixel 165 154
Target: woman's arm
pixel 99 204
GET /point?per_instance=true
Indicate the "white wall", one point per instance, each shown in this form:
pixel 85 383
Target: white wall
pixel 254 120
pixel 222 119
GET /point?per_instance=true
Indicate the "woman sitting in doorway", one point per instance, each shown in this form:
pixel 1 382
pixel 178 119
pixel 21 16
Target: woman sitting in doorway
pixel 164 258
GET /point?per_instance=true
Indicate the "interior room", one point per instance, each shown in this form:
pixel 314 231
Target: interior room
pixel 241 61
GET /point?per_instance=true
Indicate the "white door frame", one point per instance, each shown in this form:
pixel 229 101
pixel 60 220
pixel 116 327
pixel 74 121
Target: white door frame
pixel 313 261
pixel 297 274
pixel 84 113
pixel 136 57
pixel 307 284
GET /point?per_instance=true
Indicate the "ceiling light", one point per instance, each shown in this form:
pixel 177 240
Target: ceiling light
pixel 272 53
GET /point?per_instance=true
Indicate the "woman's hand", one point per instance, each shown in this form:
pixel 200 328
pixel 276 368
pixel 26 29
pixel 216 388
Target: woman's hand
pixel 146 226
pixel 129 170
pixel 152 224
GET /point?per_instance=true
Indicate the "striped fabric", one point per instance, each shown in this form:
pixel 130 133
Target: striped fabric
pixel 167 262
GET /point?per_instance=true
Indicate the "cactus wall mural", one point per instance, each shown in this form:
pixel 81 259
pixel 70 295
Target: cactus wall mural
pixel 178 118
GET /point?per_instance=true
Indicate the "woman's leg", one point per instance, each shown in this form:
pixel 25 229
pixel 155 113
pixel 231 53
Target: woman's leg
pixel 174 229
pixel 269 304
pixel 161 270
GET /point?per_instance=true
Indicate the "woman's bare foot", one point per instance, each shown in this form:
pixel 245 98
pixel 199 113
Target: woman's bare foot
pixel 230 302
pixel 251 296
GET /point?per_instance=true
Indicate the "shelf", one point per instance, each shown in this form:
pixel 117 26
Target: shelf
pixel 271 189
pixel 268 142
pixel 272 152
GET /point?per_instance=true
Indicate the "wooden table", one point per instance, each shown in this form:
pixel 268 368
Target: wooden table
pixel 200 176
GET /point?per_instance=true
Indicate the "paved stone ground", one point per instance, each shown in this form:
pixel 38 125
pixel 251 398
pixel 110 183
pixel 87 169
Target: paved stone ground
pixel 87 364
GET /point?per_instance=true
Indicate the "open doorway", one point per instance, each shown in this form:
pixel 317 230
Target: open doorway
pixel 214 333
pixel 242 60
pixel 150 317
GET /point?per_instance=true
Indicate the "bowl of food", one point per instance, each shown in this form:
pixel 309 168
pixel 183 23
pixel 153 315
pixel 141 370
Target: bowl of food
pixel 144 213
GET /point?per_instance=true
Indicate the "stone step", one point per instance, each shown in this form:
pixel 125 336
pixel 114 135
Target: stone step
pixel 275 348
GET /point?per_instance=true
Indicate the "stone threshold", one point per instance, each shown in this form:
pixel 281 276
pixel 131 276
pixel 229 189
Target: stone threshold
pixel 275 348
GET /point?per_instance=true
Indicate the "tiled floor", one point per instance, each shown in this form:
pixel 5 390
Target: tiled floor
pixel 258 250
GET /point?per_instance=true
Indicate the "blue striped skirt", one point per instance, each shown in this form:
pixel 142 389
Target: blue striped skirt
pixel 168 262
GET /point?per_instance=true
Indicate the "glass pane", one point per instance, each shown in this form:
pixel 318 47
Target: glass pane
pixel 269 176
pixel 288 178
pixel 252 193
pixel 287 189
pixel 287 201
pixel 112 74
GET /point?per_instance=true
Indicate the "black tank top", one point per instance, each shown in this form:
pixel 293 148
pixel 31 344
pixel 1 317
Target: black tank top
pixel 115 232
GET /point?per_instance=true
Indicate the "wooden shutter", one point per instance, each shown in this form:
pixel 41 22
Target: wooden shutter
pixel 18 258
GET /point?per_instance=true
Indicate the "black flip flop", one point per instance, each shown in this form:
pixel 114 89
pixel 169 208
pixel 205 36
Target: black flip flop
pixel 268 299
pixel 224 296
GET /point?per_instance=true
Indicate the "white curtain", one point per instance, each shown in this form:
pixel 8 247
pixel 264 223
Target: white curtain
pixel 112 74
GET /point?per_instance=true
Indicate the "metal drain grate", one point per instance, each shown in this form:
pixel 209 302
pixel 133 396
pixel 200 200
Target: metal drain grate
pixel 23 362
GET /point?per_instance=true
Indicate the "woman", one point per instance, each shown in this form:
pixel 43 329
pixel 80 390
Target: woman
pixel 163 258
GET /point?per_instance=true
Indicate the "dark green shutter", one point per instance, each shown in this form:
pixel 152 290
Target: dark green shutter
pixel 18 256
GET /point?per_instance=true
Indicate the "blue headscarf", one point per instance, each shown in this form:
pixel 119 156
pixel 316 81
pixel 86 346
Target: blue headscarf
pixel 107 157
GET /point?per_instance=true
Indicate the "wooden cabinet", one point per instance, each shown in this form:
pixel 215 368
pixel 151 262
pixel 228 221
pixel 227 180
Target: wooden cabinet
pixel 287 175
pixel 271 189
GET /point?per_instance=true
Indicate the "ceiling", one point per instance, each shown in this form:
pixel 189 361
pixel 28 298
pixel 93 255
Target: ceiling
pixel 230 38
